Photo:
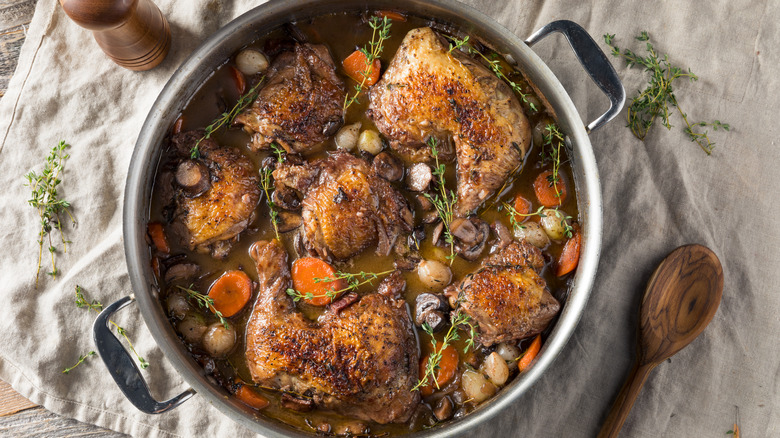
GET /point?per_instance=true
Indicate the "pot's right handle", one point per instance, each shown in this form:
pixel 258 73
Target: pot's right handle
pixel 123 368
pixel 595 63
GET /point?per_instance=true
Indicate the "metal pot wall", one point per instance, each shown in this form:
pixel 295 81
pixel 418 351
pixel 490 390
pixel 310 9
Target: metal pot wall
pixel 254 24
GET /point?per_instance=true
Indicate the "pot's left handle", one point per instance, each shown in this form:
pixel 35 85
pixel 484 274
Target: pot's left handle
pixel 595 63
pixel 123 368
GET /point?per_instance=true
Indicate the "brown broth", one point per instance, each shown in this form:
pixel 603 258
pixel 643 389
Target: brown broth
pixel 342 33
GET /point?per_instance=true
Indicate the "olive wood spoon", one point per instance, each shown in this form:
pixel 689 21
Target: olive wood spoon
pixel 682 296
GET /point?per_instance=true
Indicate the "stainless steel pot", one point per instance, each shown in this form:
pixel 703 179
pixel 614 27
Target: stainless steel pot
pixel 254 24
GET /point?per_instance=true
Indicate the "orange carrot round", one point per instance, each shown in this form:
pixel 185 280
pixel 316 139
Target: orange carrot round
pixel 447 368
pixel 238 78
pixel 157 234
pixel 546 191
pixel 522 206
pixel 355 67
pixel 251 398
pixel 570 256
pixel 231 292
pixel 530 354
pixel 391 15
pixel 309 275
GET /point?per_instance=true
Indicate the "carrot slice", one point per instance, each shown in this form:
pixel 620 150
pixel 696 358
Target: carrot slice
pixel 231 292
pixel 391 15
pixel 238 77
pixel 356 67
pixel 251 398
pixel 522 206
pixel 447 368
pixel 530 354
pixel 177 125
pixel 157 234
pixel 305 274
pixel 546 191
pixel 570 256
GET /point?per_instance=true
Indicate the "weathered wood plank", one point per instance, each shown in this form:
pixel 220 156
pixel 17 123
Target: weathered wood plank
pixel 15 16
pixel 39 422
pixel 11 402
pixel 16 12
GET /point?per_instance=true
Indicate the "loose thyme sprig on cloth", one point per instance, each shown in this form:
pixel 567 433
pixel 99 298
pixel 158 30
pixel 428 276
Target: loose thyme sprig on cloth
pixel 46 200
pixel 227 117
pixel 380 33
pixel 354 281
pixel 655 99
pixel 444 200
pixel 434 358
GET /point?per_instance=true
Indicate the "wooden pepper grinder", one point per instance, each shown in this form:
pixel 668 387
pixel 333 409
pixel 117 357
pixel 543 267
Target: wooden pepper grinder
pixel 133 33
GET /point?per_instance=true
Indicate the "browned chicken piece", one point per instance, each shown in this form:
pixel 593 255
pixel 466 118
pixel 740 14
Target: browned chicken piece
pixel 300 105
pixel 361 362
pixel 216 195
pixel 427 91
pixel 346 206
pixel 506 297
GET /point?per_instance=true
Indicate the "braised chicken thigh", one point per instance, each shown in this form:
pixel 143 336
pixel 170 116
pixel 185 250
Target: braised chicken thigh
pixel 300 104
pixel 429 91
pixel 361 362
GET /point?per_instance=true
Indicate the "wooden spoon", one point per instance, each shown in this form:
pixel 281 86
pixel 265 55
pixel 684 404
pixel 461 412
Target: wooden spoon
pixel 682 296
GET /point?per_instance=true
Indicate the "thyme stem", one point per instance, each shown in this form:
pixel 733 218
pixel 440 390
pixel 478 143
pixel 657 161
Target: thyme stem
pixel 380 32
pixel 354 281
pixel 444 200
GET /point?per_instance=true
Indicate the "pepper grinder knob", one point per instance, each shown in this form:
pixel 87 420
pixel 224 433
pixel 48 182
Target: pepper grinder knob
pixel 133 33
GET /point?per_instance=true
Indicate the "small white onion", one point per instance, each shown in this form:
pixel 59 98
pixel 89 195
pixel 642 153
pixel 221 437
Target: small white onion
pixel 192 328
pixel 554 222
pixel 508 352
pixel 250 62
pixel 177 305
pixel 218 340
pixel 533 234
pixel 347 137
pixel 476 386
pixel 370 142
pixel 433 274
pixel 496 369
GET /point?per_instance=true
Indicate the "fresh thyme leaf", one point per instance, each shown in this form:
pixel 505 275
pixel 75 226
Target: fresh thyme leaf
pixel 81 360
pixel 434 358
pixel 354 281
pixel 227 118
pixel 205 301
pixel 658 95
pixel 82 302
pixel 279 152
pixel 458 43
pixel 514 214
pixel 444 200
pixel 380 33
pixel 46 200
pixel 551 150
pixel 141 361
pixel 265 184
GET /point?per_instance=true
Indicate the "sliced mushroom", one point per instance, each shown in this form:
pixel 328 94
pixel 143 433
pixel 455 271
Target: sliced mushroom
pixel 181 271
pixel 388 166
pixel 425 203
pixel 465 231
pixel 193 176
pixel 502 233
pixel 431 309
pixel 416 237
pixel 430 217
pixel 288 221
pixel 466 249
pixel 419 177
pixel 437 232
pixel 443 409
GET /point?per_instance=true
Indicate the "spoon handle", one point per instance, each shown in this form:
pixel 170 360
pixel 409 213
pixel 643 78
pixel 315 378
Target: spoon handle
pixel 625 400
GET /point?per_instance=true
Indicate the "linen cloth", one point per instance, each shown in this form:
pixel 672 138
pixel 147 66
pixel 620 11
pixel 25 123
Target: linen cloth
pixel 658 194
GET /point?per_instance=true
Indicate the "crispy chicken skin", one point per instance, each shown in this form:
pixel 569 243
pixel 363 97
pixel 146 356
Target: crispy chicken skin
pixel 207 223
pixel 300 105
pixel 346 207
pixel 361 362
pixel 507 297
pixel 427 91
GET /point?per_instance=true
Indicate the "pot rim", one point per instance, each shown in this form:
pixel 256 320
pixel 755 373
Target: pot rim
pixel 188 78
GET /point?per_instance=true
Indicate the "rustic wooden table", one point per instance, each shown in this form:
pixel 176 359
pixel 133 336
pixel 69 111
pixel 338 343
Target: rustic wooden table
pixel 18 416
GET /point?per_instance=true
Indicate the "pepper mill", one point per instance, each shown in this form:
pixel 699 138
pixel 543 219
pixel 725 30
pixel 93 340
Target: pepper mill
pixel 133 33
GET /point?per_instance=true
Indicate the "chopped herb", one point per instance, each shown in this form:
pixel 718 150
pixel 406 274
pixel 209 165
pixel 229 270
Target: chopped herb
pixel 227 117
pixel 434 358
pixel 380 33
pixel 444 200
pixel 354 281
pixel 81 360
pixel 205 301
pixel 655 99
pixel 46 200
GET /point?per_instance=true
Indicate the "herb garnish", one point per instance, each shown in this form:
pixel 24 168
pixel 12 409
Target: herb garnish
pixel 50 207
pixel 227 117
pixel 380 33
pixel 265 184
pixel 354 281
pixel 655 99
pixel 205 301
pixel 554 139
pixel 444 200
pixel 81 360
pixel 83 303
pixel 434 358
pixel 513 214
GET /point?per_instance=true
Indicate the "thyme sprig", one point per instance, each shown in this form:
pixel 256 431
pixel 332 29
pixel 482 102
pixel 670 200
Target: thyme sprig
pixel 658 95
pixel 434 357
pixel 83 302
pixel 46 200
pixel 553 139
pixel 82 358
pixel 380 33
pixel 227 118
pixel 493 63
pixel 444 200
pixel 354 281
pixel 281 154
pixel 205 301
pixel 514 214
pixel 265 184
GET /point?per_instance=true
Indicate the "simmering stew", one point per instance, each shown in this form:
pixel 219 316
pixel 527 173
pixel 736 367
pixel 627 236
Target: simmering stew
pixel 364 224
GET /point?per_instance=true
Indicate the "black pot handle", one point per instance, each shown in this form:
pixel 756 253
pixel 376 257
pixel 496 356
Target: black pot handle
pixel 123 368
pixel 595 63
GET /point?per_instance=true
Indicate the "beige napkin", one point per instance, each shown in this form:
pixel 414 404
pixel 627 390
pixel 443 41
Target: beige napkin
pixel 657 195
